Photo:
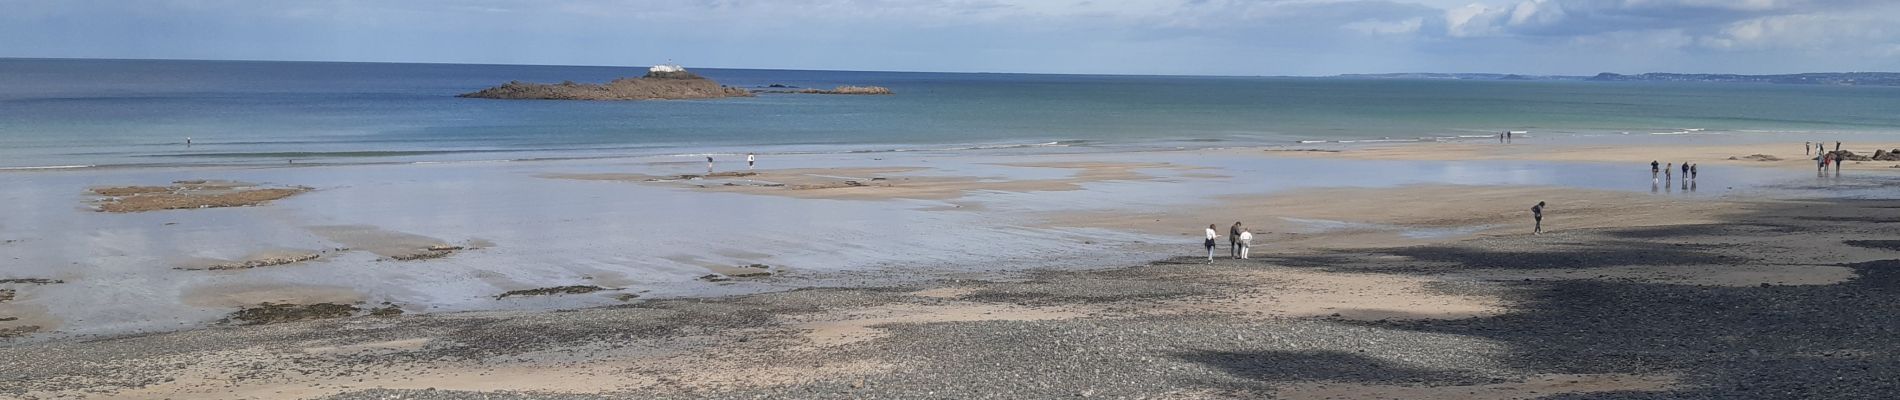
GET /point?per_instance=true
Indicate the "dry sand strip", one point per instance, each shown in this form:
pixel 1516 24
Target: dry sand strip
pixel 1369 217
pixel 1410 321
pixel 1786 155
pixel 192 194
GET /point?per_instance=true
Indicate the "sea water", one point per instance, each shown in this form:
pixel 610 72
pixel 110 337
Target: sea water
pixel 60 113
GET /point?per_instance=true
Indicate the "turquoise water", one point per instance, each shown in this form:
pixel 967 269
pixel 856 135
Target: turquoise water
pixel 138 113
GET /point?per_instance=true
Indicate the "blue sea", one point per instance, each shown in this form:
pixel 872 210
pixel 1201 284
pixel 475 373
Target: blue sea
pixel 139 113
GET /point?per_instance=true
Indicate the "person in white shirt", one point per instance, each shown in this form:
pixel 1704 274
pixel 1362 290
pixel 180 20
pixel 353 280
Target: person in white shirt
pixel 748 161
pixel 1246 243
pixel 1211 235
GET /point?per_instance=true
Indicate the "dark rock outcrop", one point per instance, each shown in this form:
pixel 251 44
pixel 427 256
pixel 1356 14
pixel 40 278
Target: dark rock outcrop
pixel 653 86
pixel 1849 156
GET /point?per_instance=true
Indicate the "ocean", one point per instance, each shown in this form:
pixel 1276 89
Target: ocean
pixel 131 113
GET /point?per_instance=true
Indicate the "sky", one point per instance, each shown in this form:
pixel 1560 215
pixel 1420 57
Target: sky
pixel 1188 37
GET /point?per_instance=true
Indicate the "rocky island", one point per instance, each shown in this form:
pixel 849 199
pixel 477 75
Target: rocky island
pixel 663 82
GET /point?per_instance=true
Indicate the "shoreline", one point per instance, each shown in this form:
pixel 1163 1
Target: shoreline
pixel 1467 147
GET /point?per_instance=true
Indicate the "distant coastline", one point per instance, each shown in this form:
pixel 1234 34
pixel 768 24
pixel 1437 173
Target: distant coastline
pixel 1812 78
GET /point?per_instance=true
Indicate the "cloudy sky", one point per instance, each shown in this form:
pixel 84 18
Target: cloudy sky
pixel 1223 37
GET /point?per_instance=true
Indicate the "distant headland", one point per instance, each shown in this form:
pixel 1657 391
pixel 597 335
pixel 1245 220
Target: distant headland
pixel 662 82
pixel 1814 78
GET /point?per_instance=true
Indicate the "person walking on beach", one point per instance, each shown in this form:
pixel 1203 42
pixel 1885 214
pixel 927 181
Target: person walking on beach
pixel 1692 171
pixel 1246 243
pixel 1233 240
pixel 709 165
pixel 1837 146
pixel 1807 148
pixel 1654 167
pixel 750 160
pixel 1669 172
pixel 1537 213
pixel 1685 170
pixel 1211 235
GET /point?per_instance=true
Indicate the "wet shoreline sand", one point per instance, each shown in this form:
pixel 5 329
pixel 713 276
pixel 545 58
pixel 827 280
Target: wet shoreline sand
pixel 1421 290
pixel 1579 312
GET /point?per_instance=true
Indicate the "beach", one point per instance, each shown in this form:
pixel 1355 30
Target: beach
pixel 1379 271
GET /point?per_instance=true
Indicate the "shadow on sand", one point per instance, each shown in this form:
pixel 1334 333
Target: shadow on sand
pixel 1822 341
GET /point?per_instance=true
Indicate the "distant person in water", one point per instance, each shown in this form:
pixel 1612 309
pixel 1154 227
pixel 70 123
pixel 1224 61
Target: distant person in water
pixel 1211 235
pixel 1233 240
pixel 1685 170
pixel 1537 214
pixel 1692 171
pixel 1654 168
pixel 1246 243
pixel 750 161
pixel 1669 172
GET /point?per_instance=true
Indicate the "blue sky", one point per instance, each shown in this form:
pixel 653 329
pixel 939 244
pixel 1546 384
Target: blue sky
pixel 1220 37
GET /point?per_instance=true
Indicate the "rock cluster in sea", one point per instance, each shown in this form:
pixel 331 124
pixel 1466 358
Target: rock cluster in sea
pixel 654 86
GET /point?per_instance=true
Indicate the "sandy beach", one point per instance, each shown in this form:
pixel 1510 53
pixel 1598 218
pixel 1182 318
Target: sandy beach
pixel 1409 272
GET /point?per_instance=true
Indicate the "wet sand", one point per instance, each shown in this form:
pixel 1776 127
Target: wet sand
pixel 1371 321
pixel 890 183
pixel 1413 291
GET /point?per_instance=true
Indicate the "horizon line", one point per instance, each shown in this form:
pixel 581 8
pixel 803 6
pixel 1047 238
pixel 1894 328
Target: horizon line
pixel 1343 74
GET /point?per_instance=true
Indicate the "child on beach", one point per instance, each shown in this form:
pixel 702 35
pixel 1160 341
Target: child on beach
pixel 1211 235
pixel 1246 243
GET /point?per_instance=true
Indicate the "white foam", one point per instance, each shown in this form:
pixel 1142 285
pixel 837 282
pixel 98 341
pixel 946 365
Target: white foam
pixel 43 167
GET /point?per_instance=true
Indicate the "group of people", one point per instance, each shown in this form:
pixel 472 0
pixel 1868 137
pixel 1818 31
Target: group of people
pixel 1827 158
pixel 1808 148
pixel 1689 171
pixel 1239 241
pixel 751 160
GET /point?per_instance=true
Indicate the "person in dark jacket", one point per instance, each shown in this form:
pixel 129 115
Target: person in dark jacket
pixel 1537 213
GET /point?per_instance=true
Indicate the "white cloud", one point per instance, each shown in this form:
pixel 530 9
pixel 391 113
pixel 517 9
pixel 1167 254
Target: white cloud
pixel 1221 36
pixel 1381 27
